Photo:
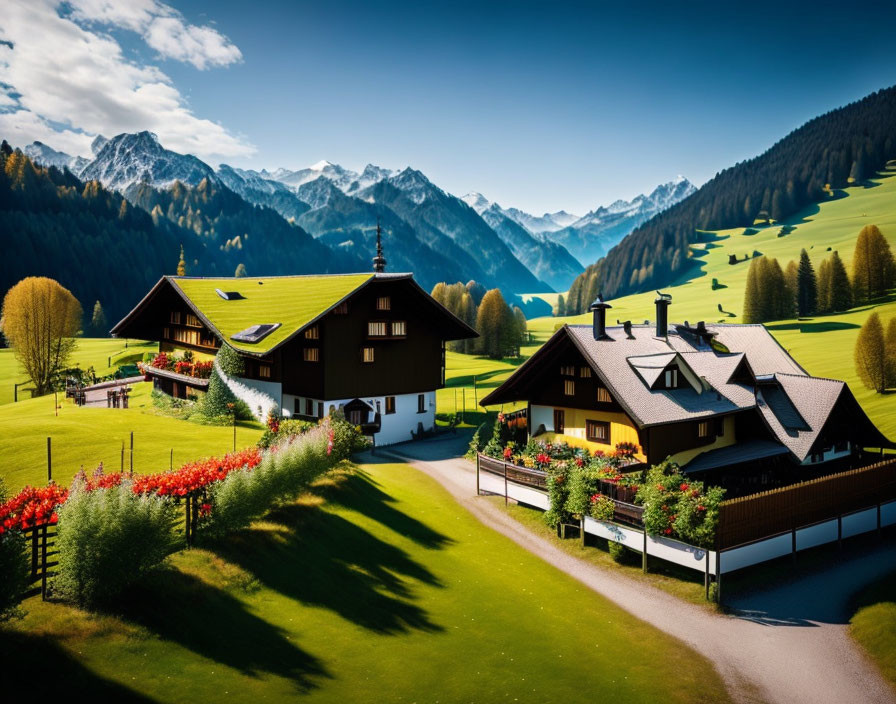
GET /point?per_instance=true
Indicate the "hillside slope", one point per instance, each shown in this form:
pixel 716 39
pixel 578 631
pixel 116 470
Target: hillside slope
pixel 838 148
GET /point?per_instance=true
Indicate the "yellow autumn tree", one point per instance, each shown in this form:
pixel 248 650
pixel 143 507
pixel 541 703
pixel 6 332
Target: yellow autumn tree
pixel 40 320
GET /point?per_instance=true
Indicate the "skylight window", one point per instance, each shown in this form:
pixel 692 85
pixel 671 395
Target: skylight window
pixel 229 295
pixel 256 333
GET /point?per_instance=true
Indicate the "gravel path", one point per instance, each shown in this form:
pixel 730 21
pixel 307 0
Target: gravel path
pixel 773 651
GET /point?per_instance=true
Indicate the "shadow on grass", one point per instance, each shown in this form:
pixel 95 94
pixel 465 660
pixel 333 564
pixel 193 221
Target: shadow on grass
pixel 820 326
pixel 209 621
pixel 323 559
pixel 45 669
pixel 360 492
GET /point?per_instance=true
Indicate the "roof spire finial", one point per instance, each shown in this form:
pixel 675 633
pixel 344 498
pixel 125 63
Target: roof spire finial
pixel 379 261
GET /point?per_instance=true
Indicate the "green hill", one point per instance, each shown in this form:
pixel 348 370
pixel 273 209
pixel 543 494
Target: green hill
pixel 822 344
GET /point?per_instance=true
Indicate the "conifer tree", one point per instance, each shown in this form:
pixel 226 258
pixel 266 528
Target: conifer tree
pixel 806 286
pixel 98 323
pixel 824 287
pixel 468 315
pixel 871 354
pixel 874 271
pixel 791 274
pixel 752 312
pixel 560 310
pixel 840 288
pixel 522 326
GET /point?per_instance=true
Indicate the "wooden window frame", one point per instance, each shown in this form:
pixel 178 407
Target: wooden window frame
pixel 384 303
pixel 341 309
pixel 311 354
pixel 559 421
pixel 569 387
pixel 585 372
pixel 673 375
pixel 175 317
pixel 404 326
pixel 264 371
pixel 309 408
pixel 703 430
pixel 377 335
pixel 592 425
pixel 312 333
pixel 390 405
pixel 364 355
pixel 568 370
pixel 421 403
pixel 603 391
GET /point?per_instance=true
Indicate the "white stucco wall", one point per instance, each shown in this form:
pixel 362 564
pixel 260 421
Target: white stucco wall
pixel 260 396
pixel 542 415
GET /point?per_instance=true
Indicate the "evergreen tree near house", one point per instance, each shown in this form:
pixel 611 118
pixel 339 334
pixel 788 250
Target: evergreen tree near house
pixel 522 326
pixel 824 286
pixel 98 323
pixel 240 271
pixel 767 295
pixel 840 287
pixel 560 309
pixel 873 267
pixel 871 359
pixel 806 286
pixel 752 307
pixel 467 313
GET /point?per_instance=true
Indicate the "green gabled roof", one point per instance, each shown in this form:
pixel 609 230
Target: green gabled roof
pixel 292 301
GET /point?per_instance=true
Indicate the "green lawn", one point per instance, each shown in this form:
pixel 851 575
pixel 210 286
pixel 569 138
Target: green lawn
pixel 89 352
pixel 87 436
pixel 874 624
pixel 376 588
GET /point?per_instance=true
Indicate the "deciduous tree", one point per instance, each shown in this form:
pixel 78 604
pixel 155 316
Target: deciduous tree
pixel 40 320
pixel 871 354
pixel 873 268
pixel 99 326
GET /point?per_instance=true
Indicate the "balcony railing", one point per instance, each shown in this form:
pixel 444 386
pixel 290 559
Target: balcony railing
pixel 623 497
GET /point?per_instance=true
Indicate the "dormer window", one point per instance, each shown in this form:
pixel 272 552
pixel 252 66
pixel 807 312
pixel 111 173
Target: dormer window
pixel 384 303
pixel 671 378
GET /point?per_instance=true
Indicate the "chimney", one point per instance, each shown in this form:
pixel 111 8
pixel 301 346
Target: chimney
pixel 663 301
pixel 599 311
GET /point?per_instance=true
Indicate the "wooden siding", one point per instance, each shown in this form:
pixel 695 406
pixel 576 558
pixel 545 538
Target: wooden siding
pixel 681 442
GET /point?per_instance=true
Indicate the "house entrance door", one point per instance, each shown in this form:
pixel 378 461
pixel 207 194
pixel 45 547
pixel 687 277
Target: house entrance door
pixel 559 417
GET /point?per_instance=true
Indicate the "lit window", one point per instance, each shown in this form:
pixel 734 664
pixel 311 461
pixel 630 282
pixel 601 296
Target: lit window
pixel 603 396
pixel 166 333
pixel 367 355
pixel 597 431
pixel 175 317
pixel 569 387
pixel 341 309
pixel 312 333
pixel 671 378
pixel 703 429
pixel 585 372
pixel 376 329
pixel 264 371
pixel 390 404
pixel 399 328
pixel 193 321
pixel 383 303
pixel 311 354
pixel 568 370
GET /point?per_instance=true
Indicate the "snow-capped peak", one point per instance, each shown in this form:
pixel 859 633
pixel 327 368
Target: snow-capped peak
pixel 320 165
pixel 476 201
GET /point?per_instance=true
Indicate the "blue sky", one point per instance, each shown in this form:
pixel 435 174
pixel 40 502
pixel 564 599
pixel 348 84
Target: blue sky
pixel 538 106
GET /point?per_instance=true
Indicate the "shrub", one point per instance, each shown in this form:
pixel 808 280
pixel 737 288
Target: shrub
pixel 476 442
pixel 216 404
pixel 344 437
pixel 285 429
pixel 618 551
pixel 14 569
pixel 230 361
pixel 558 495
pixel 603 508
pixel 109 538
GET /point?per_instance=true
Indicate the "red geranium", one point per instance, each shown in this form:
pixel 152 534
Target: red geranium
pixel 508 453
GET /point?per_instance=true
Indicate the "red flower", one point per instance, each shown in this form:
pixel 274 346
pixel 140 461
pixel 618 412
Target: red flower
pixel 500 417
pixel 668 531
pixel 684 487
pixel 507 453
pixel 542 458
pixel 580 462
pixel 701 508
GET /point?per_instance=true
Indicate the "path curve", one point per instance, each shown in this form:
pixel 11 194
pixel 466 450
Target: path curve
pixel 814 663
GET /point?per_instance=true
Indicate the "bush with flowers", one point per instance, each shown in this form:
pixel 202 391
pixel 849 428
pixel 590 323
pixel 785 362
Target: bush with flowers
pixel 676 507
pixel 13 567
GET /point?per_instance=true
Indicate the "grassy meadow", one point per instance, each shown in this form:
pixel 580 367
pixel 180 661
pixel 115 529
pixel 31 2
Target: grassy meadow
pixel 873 625
pixel 430 606
pixel 87 436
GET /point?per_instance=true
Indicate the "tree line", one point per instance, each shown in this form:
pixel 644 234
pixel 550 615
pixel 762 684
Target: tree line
pixel 841 147
pixel 773 293
pixel 502 328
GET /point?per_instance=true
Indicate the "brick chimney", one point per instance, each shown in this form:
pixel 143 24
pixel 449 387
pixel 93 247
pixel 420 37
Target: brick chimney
pixel 599 311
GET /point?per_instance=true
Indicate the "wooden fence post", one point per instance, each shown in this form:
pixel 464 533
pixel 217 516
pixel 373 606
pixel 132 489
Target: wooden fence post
pixel 505 483
pixel 644 551
pixel 49 460
pixel 477 474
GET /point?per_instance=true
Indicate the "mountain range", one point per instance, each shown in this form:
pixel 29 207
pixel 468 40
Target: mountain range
pixel 431 232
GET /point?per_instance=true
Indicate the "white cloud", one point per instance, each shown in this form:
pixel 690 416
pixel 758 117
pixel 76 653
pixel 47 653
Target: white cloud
pixel 63 71
pixel 163 28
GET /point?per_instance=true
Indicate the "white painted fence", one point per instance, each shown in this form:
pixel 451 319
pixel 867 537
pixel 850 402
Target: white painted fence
pixel 864 521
